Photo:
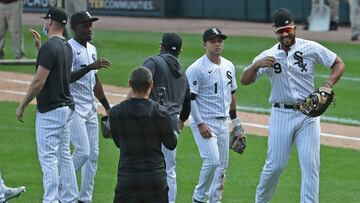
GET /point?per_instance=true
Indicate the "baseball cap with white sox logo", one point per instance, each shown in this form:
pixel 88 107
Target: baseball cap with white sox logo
pixel 57 14
pixel 212 33
pixel 81 17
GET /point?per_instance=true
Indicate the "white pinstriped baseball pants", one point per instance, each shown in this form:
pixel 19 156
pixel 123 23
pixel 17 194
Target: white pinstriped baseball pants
pixel 288 127
pixel 214 152
pixel 170 160
pixel 2 195
pixel 84 134
pixel 53 141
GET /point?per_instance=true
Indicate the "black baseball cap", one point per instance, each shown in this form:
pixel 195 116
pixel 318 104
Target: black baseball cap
pixel 57 14
pixel 282 17
pixel 81 17
pixel 171 42
pixel 213 32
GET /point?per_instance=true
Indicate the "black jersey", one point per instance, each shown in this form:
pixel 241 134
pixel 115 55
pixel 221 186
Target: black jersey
pixel 138 128
pixel 56 56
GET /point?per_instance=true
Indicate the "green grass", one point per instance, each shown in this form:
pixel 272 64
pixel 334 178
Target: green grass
pixel 127 50
pixel 339 176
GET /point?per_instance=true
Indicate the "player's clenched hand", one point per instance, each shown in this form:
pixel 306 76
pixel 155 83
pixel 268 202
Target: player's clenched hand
pixel 37 38
pixel 266 62
pixel 204 130
pixel 100 63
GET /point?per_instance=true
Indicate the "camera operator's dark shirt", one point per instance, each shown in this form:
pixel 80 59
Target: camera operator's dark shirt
pixel 138 128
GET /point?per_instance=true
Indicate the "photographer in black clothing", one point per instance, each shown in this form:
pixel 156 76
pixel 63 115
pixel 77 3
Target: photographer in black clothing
pixel 171 89
pixel 139 126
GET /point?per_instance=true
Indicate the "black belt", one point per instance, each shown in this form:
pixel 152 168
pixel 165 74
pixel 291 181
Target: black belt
pixel 220 117
pixel 287 106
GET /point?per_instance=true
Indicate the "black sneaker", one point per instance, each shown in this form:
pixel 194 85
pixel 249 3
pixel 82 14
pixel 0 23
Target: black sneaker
pixel 197 201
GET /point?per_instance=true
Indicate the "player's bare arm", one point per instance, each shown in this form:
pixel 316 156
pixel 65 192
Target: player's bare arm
pixel 99 63
pixel 36 85
pixel 100 94
pixel 337 69
pixel 249 74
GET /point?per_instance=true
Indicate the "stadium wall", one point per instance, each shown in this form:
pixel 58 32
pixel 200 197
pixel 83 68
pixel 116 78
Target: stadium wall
pixel 244 10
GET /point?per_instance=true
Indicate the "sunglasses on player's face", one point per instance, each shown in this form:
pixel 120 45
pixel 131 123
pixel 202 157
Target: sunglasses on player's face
pixel 289 29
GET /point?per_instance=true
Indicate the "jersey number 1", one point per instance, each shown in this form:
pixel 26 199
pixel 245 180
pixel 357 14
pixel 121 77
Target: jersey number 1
pixel 215 88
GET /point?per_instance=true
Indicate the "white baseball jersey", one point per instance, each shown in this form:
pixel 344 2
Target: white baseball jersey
pixel 292 75
pixel 213 84
pixel 84 127
pixel 82 89
pixel 292 80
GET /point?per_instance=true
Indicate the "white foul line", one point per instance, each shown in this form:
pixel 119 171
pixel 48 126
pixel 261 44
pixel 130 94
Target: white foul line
pixel 16 81
pixel 13 92
pixel 245 123
pixel 322 134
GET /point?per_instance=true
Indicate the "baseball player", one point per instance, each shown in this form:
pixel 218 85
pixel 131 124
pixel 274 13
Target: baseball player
pixel 171 89
pixel 84 127
pixel 212 86
pixel 7 193
pixel 290 66
pixel 140 127
pixel 55 109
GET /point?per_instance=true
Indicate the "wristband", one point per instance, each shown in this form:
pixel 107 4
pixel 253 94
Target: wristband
pixel 232 114
pixel 331 85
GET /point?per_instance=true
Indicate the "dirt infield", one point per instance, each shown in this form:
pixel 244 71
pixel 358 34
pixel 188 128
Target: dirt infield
pixel 13 86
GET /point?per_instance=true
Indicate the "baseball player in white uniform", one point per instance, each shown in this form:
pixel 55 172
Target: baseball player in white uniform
pixel 212 86
pixel 84 127
pixel 290 66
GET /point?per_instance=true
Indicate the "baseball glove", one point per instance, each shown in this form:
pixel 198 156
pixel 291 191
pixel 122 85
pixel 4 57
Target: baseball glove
pixel 317 102
pixel 105 127
pixel 238 139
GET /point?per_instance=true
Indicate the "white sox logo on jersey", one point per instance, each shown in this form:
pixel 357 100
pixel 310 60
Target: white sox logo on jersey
pixel 300 61
pixel 228 75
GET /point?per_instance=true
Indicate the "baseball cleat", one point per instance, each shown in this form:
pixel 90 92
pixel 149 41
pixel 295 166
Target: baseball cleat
pixel 13 192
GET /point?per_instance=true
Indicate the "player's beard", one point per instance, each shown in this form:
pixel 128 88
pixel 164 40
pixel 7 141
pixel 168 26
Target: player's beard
pixel 287 41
